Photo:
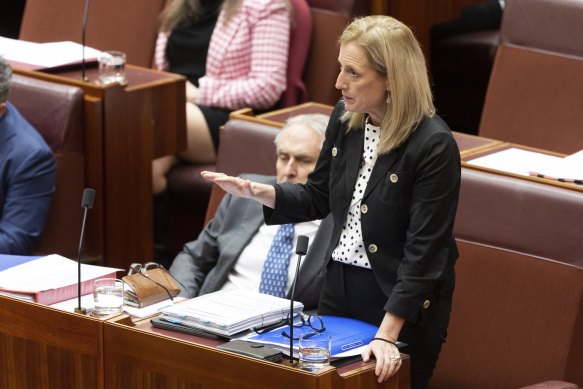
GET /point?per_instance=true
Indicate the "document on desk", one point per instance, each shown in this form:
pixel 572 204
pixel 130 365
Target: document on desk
pixel 50 279
pixel 516 161
pixel 568 169
pixel 45 55
pixel 348 336
pixel 230 312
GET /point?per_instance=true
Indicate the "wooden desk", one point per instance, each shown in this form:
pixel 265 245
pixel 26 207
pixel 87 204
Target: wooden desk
pixel 147 357
pixel 42 347
pixel 125 128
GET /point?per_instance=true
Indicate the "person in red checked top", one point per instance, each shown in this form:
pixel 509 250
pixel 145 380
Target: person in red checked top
pixel 233 53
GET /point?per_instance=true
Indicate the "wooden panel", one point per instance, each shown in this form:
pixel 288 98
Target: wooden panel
pixel 126 127
pixel 42 347
pixel 139 357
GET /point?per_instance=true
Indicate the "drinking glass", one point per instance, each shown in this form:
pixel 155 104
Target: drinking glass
pixel 112 67
pixel 314 351
pixel 107 296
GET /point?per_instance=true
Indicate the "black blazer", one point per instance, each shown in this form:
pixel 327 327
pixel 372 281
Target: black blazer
pixel 411 200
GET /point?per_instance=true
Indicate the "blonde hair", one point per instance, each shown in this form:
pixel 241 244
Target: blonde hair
pixel 394 53
pixel 182 11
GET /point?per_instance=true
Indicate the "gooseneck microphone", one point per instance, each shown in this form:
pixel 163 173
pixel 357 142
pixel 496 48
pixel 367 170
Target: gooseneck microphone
pixel 83 30
pixel 86 203
pixel 301 249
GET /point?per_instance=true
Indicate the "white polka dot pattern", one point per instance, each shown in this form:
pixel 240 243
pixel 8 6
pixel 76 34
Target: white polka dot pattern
pixel 350 249
pixel 274 275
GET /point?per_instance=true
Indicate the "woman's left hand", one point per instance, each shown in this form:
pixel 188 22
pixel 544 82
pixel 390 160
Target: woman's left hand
pixel 384 347
pixel 192 93
pixel 388 359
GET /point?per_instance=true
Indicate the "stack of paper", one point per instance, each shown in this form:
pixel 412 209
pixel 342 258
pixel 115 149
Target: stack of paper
pixel 229 312
pixel 50 279
pixel 45 55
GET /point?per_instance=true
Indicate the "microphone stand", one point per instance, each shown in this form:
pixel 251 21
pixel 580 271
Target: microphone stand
pixel 84 28
pixel 301 249
pixel 86 203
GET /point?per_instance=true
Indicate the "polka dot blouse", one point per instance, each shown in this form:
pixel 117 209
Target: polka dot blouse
pixel 350 249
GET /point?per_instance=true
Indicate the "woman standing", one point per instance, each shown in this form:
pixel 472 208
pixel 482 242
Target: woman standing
pixel 389 172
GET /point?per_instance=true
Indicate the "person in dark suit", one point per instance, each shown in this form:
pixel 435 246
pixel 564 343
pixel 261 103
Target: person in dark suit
pixel 27 176
pixel 230 251
pixel 389 173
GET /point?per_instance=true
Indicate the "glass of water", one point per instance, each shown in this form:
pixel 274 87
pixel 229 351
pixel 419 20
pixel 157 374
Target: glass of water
pixel 314 351
pixel 107 296
pixel 112 67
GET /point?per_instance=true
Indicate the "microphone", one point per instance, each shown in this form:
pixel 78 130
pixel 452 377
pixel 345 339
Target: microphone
pixel 83 29
pixel 86 203
pixel 301 249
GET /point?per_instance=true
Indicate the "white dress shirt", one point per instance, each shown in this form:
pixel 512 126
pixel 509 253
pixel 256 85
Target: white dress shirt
pixel 246 274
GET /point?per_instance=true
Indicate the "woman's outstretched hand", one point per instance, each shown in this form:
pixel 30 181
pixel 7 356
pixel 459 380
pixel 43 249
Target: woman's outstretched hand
pixel 264 194
pixel 233 185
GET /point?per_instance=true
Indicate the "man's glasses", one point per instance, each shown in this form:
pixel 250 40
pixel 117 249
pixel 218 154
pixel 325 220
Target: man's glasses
pixel 313 321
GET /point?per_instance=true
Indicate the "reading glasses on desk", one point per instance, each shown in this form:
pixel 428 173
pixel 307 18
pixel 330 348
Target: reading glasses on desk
pixel 138 268
pixel 315 322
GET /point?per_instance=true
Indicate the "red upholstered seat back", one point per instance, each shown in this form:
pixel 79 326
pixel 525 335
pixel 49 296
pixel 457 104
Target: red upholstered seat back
pixel 124 25
pixel 299 46
pixel 56 111
pixel 534 94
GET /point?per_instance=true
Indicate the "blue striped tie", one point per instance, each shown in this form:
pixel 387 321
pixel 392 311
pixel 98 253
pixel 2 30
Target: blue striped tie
pixel 274 275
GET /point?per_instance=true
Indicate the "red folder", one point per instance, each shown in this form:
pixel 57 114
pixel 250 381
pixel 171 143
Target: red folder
pixel 53 296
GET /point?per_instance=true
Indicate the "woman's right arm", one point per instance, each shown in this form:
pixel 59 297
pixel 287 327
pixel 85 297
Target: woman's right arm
pixel 262 193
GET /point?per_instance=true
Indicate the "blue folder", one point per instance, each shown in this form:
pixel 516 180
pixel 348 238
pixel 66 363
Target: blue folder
pixel 345 333
pixel 8 261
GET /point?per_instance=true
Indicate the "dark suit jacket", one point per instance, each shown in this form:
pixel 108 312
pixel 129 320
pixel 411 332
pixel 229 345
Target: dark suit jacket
pixel 411 201
pixel 204 264
pixel 27 183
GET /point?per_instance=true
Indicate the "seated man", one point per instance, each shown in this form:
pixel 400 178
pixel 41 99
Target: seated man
pixel 236 244
pixel 27 176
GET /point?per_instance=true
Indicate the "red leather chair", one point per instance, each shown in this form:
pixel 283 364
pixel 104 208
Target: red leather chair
pixel 299 46
pixel 56 111
pixel 124 25
pixel 534 94
pixel 517 314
